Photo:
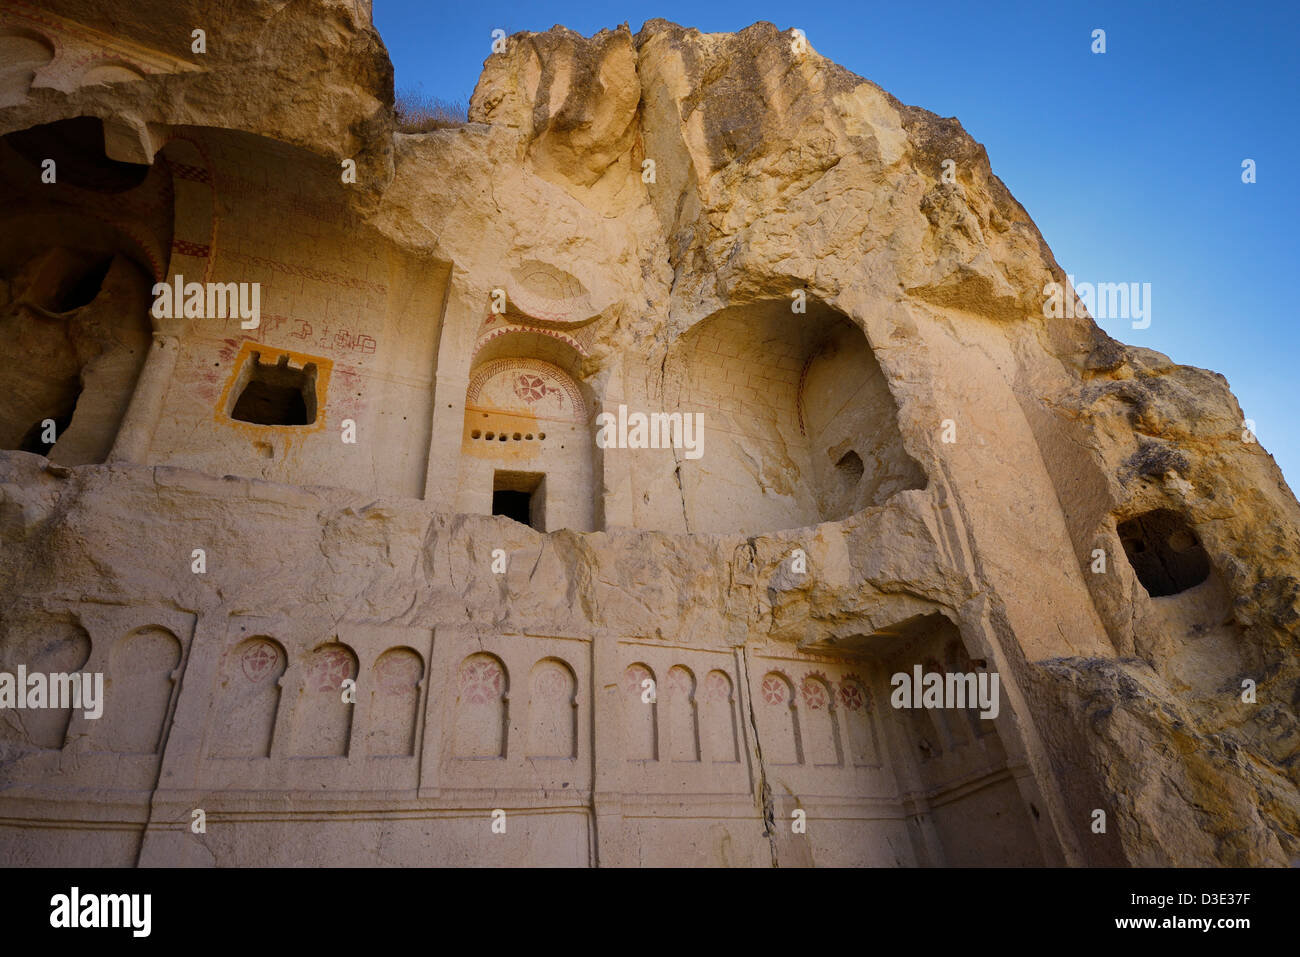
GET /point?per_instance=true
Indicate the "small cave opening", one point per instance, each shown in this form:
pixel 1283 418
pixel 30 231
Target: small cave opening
pixel 46 431
pixel 277 394
pixel 850 469
pixel 77 281
pixel 1165 553
pixel 519 496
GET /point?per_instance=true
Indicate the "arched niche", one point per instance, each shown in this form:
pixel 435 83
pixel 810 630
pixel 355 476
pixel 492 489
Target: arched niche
pixel 778 720
pixel 141 679
pixel 78 259
pixel 527 444
pixel 53 647
pixel 480 728
pixel 683 714
pixel 23 54
pixel 109 72
pixel 856 706
pixel 821 733
pixel 640 713
pixel 799 424
pixel 552 710
pixel 323 715
pixel 248 699
pixel 719 740
pixel 547 295
pixel 395 702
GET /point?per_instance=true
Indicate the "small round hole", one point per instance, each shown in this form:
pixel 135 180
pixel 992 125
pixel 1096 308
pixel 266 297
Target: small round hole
pixel 529 436
pixel 501 437
pixel 490 436
pixel 541 435
pixel 475 434
pixel 516 436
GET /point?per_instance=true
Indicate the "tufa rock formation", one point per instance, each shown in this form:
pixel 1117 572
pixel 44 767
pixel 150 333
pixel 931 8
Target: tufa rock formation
pixel 362 573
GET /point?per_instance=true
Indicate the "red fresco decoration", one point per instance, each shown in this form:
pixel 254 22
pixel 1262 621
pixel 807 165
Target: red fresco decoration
pixel 774 690
pixel 814 693
pixel 481 681
pixel 258 660
pixel 328 669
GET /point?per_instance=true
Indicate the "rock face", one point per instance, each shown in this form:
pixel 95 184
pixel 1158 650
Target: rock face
pixel 289 549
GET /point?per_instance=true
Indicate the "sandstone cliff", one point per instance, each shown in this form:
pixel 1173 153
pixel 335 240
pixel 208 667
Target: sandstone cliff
pixel 949 463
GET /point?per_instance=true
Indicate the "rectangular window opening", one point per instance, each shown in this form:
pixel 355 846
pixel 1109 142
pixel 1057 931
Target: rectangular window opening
pixel 277 394
pixel 520 496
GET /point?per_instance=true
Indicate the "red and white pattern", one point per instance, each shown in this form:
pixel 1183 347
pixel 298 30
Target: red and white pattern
pixel 328 669
pixel 526 385
pixel 531 387
pixel 504 327
pixel 853 696
pixel 481 680
pixel 774 689
pixel 815 695
pixel 195 174
pixel 196 217
pixel 187 248
pixel 259 660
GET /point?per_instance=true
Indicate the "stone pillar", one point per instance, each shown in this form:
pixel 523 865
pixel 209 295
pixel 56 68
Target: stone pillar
pixel 608 749
pixel 460 319
pixel 135 434
pixel 443 470
pixel 614 486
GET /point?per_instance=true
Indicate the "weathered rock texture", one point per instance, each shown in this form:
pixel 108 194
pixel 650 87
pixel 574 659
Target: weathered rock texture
pixel 1097 532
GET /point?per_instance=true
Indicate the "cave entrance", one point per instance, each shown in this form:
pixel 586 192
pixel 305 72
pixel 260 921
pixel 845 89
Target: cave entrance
pixel 1164 552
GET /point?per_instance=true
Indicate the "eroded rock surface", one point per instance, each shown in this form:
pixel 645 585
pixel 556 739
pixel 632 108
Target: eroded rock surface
pixel 901 462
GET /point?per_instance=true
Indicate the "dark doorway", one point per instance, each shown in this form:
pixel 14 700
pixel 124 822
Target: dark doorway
pixel 520 496
pixel 266 404
pixel 516 505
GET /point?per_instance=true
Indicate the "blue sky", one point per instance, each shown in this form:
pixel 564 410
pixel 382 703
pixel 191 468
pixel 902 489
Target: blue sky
pixel 1128 161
